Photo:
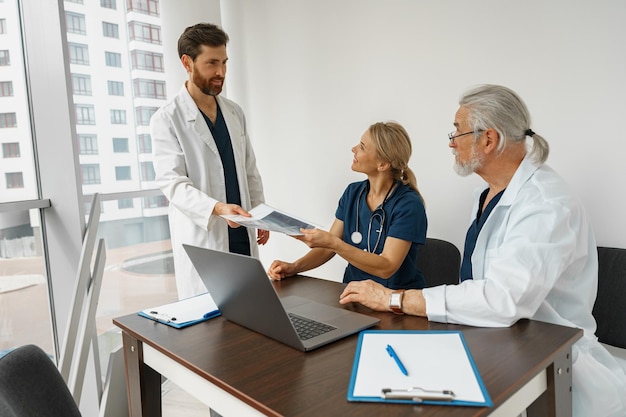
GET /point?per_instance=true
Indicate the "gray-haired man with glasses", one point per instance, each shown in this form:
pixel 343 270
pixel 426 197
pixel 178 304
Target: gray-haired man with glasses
pixel 530 251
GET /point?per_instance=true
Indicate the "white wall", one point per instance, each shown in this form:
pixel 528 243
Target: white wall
pixel 313 75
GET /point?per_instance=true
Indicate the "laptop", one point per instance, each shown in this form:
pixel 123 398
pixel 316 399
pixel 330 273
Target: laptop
pixel 244 294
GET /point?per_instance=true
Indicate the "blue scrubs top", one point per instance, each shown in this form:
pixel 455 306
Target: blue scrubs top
pixel 404 218
pixel 238 241
pixel 474 231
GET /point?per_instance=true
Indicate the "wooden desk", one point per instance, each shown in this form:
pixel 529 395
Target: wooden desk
pixel 239 372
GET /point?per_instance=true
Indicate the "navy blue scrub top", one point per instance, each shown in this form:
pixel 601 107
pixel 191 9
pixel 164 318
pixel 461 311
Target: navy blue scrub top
pixel 238 241
pixel 405 218
pixel 474 231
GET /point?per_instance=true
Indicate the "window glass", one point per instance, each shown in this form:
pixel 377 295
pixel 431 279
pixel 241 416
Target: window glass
pixel 120 145
pixel 17 168
pixel 116 88
pixel 24 304
pixel 110 30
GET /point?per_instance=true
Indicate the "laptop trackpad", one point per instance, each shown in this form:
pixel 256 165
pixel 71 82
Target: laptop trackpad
pixel 311 309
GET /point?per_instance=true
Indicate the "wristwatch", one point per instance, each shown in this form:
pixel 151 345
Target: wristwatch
pixel 395 301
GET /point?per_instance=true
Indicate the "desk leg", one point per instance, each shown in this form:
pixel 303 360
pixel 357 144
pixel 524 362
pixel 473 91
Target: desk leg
pixel 143 383
pixel 557 400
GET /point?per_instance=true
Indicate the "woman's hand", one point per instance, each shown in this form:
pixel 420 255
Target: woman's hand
pixel 316 238
pixel 280 270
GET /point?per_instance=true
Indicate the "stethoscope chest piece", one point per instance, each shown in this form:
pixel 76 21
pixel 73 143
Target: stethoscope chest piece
pixel 356 237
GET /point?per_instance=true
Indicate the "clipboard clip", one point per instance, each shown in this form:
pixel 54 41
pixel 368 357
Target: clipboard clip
pixel 417 394
pixel 162 317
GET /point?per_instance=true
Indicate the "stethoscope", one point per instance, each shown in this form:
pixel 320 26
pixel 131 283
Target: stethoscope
pixel 356 236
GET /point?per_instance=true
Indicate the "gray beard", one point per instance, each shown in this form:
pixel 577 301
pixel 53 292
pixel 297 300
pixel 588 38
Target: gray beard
pixel 466 168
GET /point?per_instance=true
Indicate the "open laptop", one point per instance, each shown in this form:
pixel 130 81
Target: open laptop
pixel 244 294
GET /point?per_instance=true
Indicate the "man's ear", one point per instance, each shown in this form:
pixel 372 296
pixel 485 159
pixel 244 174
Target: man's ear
pixel 187 61
pixel 491 140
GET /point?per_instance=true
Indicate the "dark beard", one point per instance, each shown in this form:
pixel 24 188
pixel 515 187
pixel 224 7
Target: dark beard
pixel 205 86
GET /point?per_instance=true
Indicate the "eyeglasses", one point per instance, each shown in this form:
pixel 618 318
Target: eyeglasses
pixel 452 136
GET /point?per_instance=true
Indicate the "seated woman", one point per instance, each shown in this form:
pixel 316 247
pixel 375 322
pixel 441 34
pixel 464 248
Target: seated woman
pixel 380 222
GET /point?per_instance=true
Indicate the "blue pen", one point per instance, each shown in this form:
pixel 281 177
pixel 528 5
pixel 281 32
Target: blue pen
pixel 395 357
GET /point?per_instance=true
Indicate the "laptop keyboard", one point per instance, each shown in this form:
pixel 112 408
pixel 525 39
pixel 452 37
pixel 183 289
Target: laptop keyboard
pixel 307 328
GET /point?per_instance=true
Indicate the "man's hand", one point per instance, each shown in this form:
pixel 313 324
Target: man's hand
pixel 224 208
pixel 369 293
pixel 262 236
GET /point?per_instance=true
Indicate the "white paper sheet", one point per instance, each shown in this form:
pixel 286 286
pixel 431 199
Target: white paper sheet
pixel 434 361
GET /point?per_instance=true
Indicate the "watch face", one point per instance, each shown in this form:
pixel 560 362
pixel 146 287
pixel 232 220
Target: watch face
pixel 395 302
pixel 395 299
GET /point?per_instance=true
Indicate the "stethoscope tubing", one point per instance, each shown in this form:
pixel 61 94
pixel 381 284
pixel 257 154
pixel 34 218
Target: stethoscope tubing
pixel 356 236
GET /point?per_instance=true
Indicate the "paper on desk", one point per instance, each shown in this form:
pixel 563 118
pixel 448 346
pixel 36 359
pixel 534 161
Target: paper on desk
pixel 185 312
pixel 435 360
pixel 265 217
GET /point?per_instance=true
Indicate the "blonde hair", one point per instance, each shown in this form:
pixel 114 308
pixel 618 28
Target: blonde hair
pixel 393 146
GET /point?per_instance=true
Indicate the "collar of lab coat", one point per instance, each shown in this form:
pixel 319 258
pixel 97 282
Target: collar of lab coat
pixel 525 170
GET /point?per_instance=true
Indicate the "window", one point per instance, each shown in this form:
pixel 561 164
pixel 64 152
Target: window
pixel 6 88
pixel 90 173
pixel 79 53
pixel 5 59
pixel 122 173
pixel 147 171
pixel 150 7
pixel 81 84
pixel 11 150
pixel 120 145
pixel 145 60
pixel 116 88
pixel 155 201
pixel 108 4
pixel 143 115
pixel 144 32
pixel 149 88
pixel 3 26
pixel 85 114
pixel 8 120
pixel 14 180
pixel 75 23
pixel 87 144
pixel 125 203
pixel 144 143
pixel 113 59
pixel 110 30
pixel 75 1
pixel 118 117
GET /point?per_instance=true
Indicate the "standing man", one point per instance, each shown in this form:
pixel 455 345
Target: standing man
pixel 203 159
pixel 530 251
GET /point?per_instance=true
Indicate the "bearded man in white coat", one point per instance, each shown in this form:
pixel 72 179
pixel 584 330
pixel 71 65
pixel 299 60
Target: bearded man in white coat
pixel 530 251
pixel 204 162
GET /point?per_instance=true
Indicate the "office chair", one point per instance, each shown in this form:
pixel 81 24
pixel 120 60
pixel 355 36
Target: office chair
pixel 31 385
pixel 608 309
pixel 439 261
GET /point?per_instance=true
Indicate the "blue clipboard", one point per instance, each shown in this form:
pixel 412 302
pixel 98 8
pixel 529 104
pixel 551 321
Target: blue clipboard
pixel 183 313
pixel 434 361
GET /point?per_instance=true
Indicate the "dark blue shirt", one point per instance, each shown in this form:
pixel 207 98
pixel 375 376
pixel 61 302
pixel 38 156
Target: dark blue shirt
pixel 474 231
pixel 238 241
pixel 404 218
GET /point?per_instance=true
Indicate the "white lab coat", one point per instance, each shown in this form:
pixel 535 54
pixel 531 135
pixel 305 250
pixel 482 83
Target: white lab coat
pixel 536 257
pixel 189 171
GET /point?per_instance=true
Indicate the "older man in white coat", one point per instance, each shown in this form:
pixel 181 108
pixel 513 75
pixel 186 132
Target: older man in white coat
pixel 530 251
pixel 203 158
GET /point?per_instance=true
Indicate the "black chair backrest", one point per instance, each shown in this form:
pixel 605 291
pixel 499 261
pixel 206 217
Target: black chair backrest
pixel 31 385
pixel 439 261
pixel 609 309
